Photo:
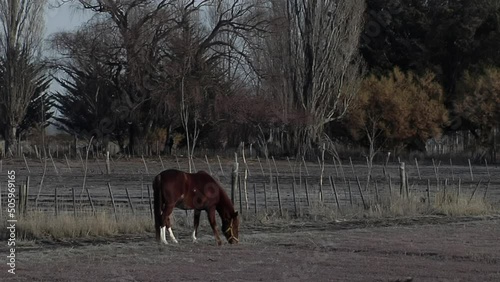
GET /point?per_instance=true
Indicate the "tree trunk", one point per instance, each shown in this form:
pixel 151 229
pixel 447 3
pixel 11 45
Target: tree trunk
pixel 134 142
pixel 494 153
pixel 10 138
pixel 167 147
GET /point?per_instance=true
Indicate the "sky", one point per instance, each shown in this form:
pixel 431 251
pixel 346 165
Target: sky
pixel 64 18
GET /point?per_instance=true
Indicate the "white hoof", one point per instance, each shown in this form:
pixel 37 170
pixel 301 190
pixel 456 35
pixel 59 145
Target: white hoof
pixel 163 238
pixel 172 235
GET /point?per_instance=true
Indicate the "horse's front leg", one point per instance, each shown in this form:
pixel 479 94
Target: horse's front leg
pixel 197 214
pixel 211 219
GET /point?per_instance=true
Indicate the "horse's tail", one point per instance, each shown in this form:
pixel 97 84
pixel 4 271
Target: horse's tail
pixel 157 204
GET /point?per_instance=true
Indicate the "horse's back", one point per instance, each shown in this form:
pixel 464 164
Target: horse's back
pixel 176 180
pixel 170 180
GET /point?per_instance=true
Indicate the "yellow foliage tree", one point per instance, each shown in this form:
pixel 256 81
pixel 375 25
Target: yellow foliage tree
pixel 395 109
pixel 480 104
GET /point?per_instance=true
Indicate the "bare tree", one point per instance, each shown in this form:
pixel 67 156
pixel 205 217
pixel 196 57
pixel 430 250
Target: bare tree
pixel 315 66
pixel 172 60
pixel 139 27
pixel 209 58
pixel 22 23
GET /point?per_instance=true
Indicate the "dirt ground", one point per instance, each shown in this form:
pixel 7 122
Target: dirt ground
pixel 423 249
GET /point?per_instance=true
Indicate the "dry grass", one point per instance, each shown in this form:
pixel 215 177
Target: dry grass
pixel 453 205
pixel 42 225
pixel 38 225
pixel 390 207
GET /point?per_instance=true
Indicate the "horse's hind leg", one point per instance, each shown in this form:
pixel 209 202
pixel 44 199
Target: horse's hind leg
pixel 197 214
pixel 163 238
pixel 167 225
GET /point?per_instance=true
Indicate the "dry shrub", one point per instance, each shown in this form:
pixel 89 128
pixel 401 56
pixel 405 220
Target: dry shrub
pixel 321 211
pixel 453 205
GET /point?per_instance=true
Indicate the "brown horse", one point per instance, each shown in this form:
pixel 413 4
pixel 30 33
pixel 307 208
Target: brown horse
pixel 192 191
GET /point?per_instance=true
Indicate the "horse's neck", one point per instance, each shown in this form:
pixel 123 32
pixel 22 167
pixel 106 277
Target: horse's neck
pixel 224 207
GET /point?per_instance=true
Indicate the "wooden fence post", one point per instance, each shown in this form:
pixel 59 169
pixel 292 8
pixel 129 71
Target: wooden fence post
pixel 161 161
pixel 487 169
pixel 402 175
pixel 261 168
pixel 265 197
pixel 1 209
pixel 305 166
pixel 307 192
pixel 26 163
pixel 452 172
pixel 474 192
pixel 486 190
pixel 279 196
pixel 130 201
pixel 150 202
pixel 294 198
pixel 350 192
pixel 74 201
pixel 245 180
pixel 91 202
pixel 234 177
pixel 429 192
pixel 56 208
pixel 444 189
pixel 239 192
pixel 361 193
pixel 27 193
pixel 390 186
pixel 470 169
pixel 255 197
pixel 53 163
pixel 108 165
pixel 23 199
pixel 112 201
pixel 332 183
pixel 208 164
pixel 418 169
pixel 145 165
pixel 67 162
pixel 220 165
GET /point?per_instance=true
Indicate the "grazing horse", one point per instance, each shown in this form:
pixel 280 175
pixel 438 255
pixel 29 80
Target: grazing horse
pixel 192 191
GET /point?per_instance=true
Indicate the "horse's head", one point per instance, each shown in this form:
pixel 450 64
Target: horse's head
pixel 230 226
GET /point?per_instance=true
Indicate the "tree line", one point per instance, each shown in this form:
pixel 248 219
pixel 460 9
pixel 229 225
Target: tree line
pixel 287 76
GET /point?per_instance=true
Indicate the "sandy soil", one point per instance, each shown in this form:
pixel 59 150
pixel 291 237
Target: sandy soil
pixel 424 249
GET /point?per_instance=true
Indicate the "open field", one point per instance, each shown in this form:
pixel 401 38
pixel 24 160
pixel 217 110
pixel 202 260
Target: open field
pixel 322 242
pixel 425 249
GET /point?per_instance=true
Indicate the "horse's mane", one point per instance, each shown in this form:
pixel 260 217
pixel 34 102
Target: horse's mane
pixel 224 198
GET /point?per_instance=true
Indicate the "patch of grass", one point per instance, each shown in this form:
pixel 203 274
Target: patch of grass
pixel 454 205
pixel 387 207
pixel 39 225
pixel 42 225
